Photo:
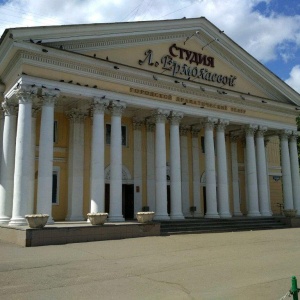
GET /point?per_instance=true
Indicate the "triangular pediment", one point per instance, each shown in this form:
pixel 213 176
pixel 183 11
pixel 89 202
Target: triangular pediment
pixel 187 49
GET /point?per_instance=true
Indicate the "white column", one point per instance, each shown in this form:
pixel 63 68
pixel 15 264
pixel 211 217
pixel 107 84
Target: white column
pixel 222 172
pixel 115 210
pixel 235 176
pixel 210 170
pixel 184 160
pixel 32 160
pixel 262 177
pixel 8 162
pixel 150 166
pixel 1 134
pixel 295 171
pixel 286 170
pixel 252 189
pixel 22 157
pixel 175 166
pixel 137 165
pixel 160 166
pixel 196 172
pixel 45 168
pixel 76 165
pixel 97 185
pixel 267 172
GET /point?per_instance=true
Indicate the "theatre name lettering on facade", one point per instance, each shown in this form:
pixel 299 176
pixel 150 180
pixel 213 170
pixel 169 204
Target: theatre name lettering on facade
pixel 122 117
pixel 169 64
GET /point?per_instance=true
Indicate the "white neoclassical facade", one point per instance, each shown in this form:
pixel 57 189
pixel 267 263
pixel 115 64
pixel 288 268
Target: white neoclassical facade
pixel 170 116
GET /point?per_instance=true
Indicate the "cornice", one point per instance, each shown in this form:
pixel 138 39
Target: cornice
pixel 118 42
pixel 101 70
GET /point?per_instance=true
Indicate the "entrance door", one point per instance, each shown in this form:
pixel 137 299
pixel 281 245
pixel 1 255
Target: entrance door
pixel 127 200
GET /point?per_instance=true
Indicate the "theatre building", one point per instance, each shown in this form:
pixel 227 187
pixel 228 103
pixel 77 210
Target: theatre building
pixel 168 116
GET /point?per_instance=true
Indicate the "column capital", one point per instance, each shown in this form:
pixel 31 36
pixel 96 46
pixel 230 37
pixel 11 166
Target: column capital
pixel 195 131
pixel 261 131
pixel 99 105
pixel 76 115
pixel 184 129
pixel 160 115
pixel 9 108
pixel 150 126
pixel 137 123
pixel 26 93
pixel 250 129
pixel 222 124
pixel 209 123
pixel 35 109
pixel 49 96
pixel 175 117
pixel 234 138
pixel 266 141
pixel 294 136
pixel 285 134
pixel 117 107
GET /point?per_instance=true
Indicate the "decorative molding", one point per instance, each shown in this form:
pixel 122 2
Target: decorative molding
pixel 76 115
pixel 9 109
pixel 86 69
pixel 150 126
pixel 116 108
pixel 175 117
pixel 250 129
pixel 160 115
pixel 184 129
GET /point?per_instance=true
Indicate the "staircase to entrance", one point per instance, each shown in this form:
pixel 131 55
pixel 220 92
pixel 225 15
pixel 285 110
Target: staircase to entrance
pixel 203 225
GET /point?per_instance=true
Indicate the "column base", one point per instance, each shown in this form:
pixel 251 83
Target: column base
pixel 17 222
pixel 115 219
pixel 215 216
pixel 177 217
pixel 4 220
pixel 254 214
pixel 198 215
pixel 73 218
pixel 225 216
pixel 237 214
pixel 161 217
pixel 50 221
pixel 266 213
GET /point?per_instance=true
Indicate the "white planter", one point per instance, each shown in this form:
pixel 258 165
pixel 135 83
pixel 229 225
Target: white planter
pixel 145 216
pixel 290 213
pixel 97 218
pixel 37 221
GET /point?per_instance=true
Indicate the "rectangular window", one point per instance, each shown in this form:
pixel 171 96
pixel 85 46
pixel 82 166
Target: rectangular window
pixel 55 132
pixel 123 134
pixel 55 186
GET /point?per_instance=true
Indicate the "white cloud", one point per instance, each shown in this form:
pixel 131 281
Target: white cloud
pixel 265 37
pixel 294 79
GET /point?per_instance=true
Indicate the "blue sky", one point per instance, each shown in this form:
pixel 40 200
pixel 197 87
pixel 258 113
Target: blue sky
pixel 268 29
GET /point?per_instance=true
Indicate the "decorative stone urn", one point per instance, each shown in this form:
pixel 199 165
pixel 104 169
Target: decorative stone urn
pixel 97 218
pixel 37 221
pixel 290 213
pixel 145 216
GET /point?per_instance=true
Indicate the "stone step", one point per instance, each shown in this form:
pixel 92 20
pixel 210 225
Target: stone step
pixel 219 225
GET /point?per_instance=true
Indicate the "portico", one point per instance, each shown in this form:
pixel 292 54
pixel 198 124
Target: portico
pixel 166 129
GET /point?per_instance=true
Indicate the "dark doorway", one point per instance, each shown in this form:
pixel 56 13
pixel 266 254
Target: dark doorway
pixel 107 193
pixel 204 199
pixel 127 200
pixel 168 200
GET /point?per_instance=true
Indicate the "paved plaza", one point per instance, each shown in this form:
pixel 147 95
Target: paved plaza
pixel 235 265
